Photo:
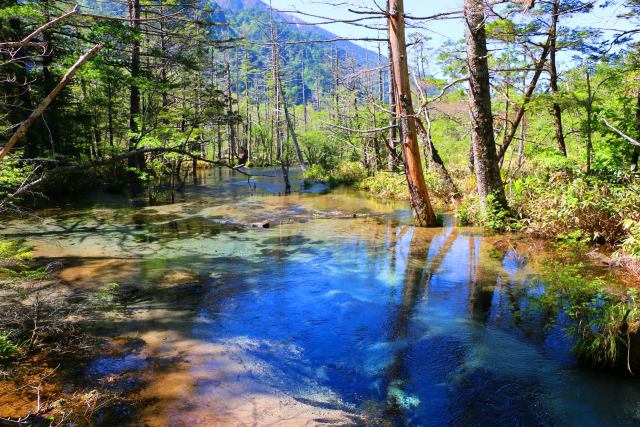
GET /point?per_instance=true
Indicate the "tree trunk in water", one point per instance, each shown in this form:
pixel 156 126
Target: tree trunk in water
pixel 485 156
pixel 134 99
pixel 553 75
pixel 422 209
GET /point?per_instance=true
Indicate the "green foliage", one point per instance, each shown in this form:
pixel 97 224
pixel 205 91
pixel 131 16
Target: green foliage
pixel 318 149
pixel 14 263
pixel 12 174
pixel 600 320
pixel 388 185
pixel 315 172
pixel 8 349
pixel 495 217
pixel 347 173
pixel 593 207
pixel 631 243
pixel 350 173
pixel 468 211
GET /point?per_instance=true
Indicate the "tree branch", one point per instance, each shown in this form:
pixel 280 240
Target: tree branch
pixel 627 137
pixel 24 126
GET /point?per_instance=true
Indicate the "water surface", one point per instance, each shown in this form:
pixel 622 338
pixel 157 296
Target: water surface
pixel 340 313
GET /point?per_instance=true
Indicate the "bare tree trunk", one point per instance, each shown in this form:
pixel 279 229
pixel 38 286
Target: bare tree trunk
pixel 304 95
pixel 134 98
pixel 589 121
pixel 486 163
pixel 219 141
pixel 553 75
pixel 434 158
pixel 636 150
pixel 110 111
pixel 393 130
pixel 230 122
pixel 292 131
pixel 419 195
pixel 276 86
pixel 523 135
pixel 336 94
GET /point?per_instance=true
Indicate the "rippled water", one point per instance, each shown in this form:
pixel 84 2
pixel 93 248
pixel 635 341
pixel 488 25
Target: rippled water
pixel 324 318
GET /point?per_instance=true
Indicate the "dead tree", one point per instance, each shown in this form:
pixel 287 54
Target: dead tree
pixel 418 193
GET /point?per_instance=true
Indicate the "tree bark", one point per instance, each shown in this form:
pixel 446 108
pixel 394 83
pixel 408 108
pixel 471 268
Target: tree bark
pixel 393 130
pixel 486 163
pixel 636 150
pixel 134 97
pixel 419 195
pixel 589 121
pixel 230 119
pixel 553 76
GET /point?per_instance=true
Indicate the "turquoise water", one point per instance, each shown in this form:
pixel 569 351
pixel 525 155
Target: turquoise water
pixel 365 317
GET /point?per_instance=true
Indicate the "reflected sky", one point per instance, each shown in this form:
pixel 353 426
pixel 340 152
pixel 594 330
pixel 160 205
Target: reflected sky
pixel 330 319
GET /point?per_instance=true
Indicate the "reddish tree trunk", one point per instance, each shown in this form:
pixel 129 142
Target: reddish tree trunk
pixel 420 203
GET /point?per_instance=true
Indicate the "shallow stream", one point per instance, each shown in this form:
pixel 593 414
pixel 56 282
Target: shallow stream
pixel 340 313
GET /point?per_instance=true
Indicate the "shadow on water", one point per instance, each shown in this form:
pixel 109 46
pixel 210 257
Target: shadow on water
pixel 357 321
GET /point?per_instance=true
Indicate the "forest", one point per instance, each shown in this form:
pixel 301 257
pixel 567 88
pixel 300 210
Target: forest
pixel 240 212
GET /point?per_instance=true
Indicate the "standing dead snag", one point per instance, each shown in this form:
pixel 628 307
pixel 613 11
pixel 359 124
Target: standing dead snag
pixel 485 157
pixel 22 129
pixel 418 193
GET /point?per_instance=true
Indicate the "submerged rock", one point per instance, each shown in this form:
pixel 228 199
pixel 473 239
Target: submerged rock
pixel 263 224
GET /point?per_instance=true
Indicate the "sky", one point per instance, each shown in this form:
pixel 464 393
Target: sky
pixel 438 31
pixel 338 9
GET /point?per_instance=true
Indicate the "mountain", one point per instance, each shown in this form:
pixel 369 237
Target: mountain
pixel 236 8
pixel 249 19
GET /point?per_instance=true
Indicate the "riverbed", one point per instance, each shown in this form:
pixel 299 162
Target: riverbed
pixel 339 313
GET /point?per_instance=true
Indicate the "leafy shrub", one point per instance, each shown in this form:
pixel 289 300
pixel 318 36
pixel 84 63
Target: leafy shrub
pixel 346 174
pixel 631 243
pixel 8 349
pixel 388 185
pixel 350 173
pixel 495 217
pixel 468 211
pixel 559 207
pixel 319 150
pixel 436 185
pixel 316 173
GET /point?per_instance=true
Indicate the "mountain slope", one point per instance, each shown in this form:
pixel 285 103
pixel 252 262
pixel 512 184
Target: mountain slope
pixel 249 20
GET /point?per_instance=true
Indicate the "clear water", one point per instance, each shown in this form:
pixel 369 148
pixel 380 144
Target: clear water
pixel 322 318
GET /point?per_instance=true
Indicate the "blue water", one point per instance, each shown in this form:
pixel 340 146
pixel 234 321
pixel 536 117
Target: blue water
pixel 399 325
pixel 417 324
